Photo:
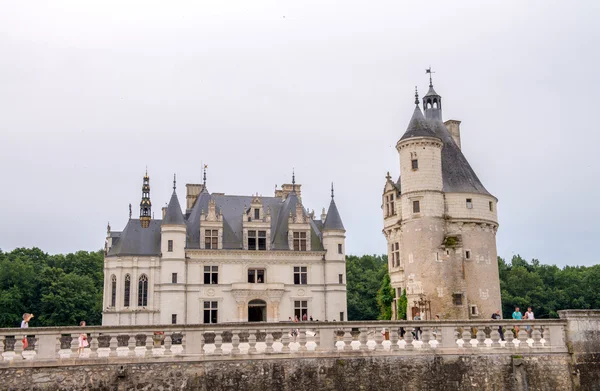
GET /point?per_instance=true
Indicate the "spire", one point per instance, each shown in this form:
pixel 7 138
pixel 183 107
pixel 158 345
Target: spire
pixel 145 204
pixel 204 176
pixel 173 213
pixel 333 221
pixel 428 70
pixel 174 181
pixel 416 96
pixel 130 211
pixel 293 181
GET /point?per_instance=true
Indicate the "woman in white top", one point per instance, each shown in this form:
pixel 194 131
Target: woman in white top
pixel 25 324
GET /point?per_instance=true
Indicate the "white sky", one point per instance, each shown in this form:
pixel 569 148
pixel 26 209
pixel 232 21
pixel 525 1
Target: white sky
pixel 92 92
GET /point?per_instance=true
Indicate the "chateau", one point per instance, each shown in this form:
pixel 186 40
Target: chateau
pixel 226 259
pixel 440 223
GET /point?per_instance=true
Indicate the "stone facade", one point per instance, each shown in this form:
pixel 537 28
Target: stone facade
pixel 440 223
pixel 226 259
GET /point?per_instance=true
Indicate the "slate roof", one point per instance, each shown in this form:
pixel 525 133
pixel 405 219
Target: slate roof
pixel 418 126
pixel 333 219
pixel 173 214
pixel 135 240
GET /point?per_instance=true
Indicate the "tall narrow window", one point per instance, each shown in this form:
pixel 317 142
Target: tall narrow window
pixel 127 295
pixel 211 239
pixel 256 214
pixel 416 207
pixel 211 274
pixel 396 254
pixel 143 291
pixel 299 241
pixel 392 205
pixel 262 240
pixel 113 291
pixel 170 246
pixel 469 203
pixel 174 278
pixel 457 298
pixel 468 254
pixel 174 319
pixel 341 278
pixel 210 311
pixel 491 206
pixel 300 275
pixel 414 164
pixel 340 248
pixel 301 308
pixel 341 316
pixel 387 205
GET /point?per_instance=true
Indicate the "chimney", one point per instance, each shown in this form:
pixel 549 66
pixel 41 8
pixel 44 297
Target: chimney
pixel 454 129
pixel 164 212
pixel 193 190
pixel 323 216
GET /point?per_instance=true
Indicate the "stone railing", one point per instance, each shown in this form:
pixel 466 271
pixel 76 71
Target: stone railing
pixel 239 340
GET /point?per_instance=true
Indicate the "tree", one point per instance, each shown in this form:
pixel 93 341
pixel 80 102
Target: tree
pixel 363 280
pixel 385 298
pixel 402 304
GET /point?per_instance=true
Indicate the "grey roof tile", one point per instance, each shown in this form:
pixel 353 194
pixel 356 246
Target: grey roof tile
pixel 135 240
pixel 418 126
pixel 173 214
pixel 333 219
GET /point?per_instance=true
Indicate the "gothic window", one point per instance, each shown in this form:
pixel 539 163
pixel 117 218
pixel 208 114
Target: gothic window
pixel 210 311
pixel 211 239
pixel 299 241
pixel 113 291
pixel 257 240
pixel 127 295
pixel 301 309
pixel 170 246
pixel 416 207
pixel 256 276
pixel 415 164
pixel 300 275
pixel 469 203
pixel 211 274
pixel 143 291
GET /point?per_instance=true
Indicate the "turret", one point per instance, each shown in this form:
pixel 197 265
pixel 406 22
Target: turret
pixel 145 204
pixel 334 233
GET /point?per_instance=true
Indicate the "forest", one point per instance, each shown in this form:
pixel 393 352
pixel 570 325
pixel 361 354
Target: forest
pixel 65 289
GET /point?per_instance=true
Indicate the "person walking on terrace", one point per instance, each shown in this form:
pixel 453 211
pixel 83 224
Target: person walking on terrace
pixel 517 315
pixel 497 316
pixel 83 343
pixel 25 324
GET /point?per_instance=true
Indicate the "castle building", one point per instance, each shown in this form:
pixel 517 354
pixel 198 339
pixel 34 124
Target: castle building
pixel 440 223
pixel 228 258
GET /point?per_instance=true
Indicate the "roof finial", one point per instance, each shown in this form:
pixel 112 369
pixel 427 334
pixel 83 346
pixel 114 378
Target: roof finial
pixel 293 180
pixel 428 70
pixel 331 190
pixel 204 178
pixel 174 181
pixel 416 96
pixel 129 211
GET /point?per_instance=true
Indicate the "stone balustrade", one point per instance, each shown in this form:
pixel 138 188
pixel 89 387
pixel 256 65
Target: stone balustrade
pixel 241 340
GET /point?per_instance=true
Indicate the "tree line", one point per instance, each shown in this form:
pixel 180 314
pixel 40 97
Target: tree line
pixel 65 289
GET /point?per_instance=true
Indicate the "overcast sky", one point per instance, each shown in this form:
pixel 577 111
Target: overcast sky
pixel 93 92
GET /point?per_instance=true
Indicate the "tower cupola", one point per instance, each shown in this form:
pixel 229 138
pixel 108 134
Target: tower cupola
pixel 432 101
pixel 145 204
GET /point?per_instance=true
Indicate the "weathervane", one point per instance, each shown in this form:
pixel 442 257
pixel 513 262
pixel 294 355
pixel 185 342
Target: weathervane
pixel 428 70
pixel 129 211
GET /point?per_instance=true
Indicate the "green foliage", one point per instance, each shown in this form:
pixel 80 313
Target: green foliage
pixel 402 304
pixel 58 289
pixel 385 297
pixel 450 241
pixel 363 280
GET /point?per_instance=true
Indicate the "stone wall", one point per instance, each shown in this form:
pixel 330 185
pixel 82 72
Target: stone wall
pixel 407 373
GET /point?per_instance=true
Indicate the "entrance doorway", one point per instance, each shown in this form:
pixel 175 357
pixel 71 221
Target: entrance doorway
pixel 257 311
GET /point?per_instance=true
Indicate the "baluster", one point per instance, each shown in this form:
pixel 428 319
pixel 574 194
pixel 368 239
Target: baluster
pixel 394 339
pixel 74 345
pixel 546 336
pixel 94 345
pixel 363 338
pixel 269 342
pixel 481 337
pixel 183 343
pixel 378 340
pixel 58 346
pixel 302 340
pixel 509 337
pixel 2 339
pixel 131 345
pixel 113 345
pixel 522 335
pixel 285 341
pixel 495 337
pixel 235 342
pixel 466 337
pixel 252 342
pixel 409 338
pixel 425 337
pixel 149 342
pixel 347 339
pixel 537 338
pixel 457 335
pixel 18 349
pixel 168 344
pixel 218 342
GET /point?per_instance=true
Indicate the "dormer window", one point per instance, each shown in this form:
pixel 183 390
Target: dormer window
pixel 299 241
pixel 415 164
pixel 256 214
pixel 257 240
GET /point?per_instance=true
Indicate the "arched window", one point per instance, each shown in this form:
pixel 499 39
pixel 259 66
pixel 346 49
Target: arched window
pixel 127 296
pixel 113 290
pixel 143 291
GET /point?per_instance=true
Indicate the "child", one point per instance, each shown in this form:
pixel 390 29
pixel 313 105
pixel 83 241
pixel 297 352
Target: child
pixel 25 324
pixel 83 343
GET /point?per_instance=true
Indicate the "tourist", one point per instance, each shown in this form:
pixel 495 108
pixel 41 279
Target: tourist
pixel 83 343
pixel 311 318
pixel 517 316
pixel 435 331
pixel 497 316
pixel 25 324
pixel 304 318
pixel 529 316
pixel 417 329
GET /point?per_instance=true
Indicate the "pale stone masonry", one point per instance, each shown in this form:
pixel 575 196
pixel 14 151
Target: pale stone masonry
pixel 226 259
pixel 440 223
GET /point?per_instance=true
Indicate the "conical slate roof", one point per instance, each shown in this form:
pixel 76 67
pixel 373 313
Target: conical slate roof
pixel 174 215
pixel 418 126
pixel 333 219
pixel 431 92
